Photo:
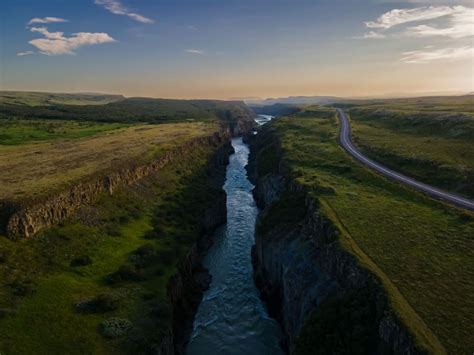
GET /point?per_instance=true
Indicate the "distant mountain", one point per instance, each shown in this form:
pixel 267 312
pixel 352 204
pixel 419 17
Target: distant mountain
pixel 296 100
pixel 403 95
pixel 245 98
pixel 327 100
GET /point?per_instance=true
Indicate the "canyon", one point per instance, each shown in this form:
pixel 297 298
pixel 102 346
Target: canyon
pixel 306 278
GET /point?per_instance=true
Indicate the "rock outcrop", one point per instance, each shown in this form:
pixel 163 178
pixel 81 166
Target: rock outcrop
pixel 306 277
pixel 186 288
pixel 25 220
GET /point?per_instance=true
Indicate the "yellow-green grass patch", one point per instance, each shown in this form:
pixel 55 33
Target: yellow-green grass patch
pixel 36 169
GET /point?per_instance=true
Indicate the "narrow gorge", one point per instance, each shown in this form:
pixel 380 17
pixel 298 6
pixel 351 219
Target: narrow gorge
pixel 231 318
pixel 325 300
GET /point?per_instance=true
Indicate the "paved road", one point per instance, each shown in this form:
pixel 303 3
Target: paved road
pixel 346 142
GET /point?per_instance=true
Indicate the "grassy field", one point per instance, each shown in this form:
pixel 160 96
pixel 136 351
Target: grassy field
pixel 421 250
pixel 38 168
pixel 46 98
pixel 73 287
pixel 430 143
pixel 130 242
pixel 439 104
pixel 18 131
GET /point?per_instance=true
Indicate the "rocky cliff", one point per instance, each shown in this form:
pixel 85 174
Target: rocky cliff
pixel 325 300
pixel 185 289
pixel 238 119
pixel 24 221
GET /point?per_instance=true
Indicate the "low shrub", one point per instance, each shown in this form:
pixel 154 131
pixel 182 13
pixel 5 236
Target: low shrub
pixel 125 273
pixel 115 327
pixel 81 261
pixel 100 304
pixel 22 287
pixel 155 233
pixel 143 256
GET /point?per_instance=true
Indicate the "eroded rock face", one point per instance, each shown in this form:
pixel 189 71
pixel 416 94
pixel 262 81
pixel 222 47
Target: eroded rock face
pixel 300 267
pixel 268 189
pixel 186 287
pixel 25 221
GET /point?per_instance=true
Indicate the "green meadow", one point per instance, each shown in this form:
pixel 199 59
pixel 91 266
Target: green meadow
pixel 111 261
pixel 431 143
pixel 420 249
pixel 20 131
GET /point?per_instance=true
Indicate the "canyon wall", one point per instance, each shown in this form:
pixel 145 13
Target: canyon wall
pixel 325 300
pixel 186 287
pixel 25 220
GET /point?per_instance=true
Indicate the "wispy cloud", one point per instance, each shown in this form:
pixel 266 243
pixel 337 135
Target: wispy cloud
pixel 46 20
pixel 371 35
pixel 428 55
pixel 44 31
pixel 22 54
pixel 116 7
pixel 194 51
pixel 400 16
pixel 55 43
pixel 455 22
pixel 431 2
pixel 460 25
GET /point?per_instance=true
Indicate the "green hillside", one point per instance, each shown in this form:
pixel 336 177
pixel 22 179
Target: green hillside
pixel 47 98
pixel 429 139
pixel 420 249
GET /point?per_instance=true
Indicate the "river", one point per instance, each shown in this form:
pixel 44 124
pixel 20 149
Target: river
pixel 231 318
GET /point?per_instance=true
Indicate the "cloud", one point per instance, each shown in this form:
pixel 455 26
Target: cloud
pixel 115 7
pixel 194 51
pixel 44 31
pixel 22 54
pixel 371 35
pixel 441 2
pixel 400 16
pixel 461 25
pixel 55 43
pixel 450 54
pixel 46 20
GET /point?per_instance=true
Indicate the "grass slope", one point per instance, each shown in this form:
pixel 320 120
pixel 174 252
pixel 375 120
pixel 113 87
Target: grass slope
pixel 133 240
pixel 421 249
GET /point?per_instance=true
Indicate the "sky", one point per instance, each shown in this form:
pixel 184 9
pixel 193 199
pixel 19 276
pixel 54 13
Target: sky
pixel 237 48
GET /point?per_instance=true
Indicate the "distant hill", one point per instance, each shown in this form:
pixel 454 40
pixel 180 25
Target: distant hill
pixel 31 98
pixel 233 114
pixel 275 109
pixel 296 100
pixel 462 103
pixel 327 100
